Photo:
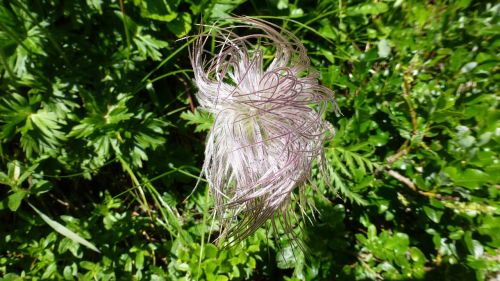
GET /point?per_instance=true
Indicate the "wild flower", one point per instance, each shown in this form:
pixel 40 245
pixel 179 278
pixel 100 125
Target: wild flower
pixel 268 127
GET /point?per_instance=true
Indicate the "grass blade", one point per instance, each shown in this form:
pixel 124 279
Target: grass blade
pixel 65 231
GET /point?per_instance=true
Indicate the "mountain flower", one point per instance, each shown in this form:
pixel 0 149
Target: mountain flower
pixel 268 128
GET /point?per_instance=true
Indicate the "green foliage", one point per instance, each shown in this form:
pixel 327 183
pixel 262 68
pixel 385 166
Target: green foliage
pixel 99 134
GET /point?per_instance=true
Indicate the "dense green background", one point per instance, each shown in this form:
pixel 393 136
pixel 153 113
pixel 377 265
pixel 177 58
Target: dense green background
pixel 99 141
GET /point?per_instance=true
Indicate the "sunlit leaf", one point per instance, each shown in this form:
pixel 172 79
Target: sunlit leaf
pixel 61 229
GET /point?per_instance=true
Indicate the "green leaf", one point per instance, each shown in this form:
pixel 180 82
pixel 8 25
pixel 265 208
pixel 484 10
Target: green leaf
pixel 470 178
pixel 417 255
pixel 210 251
pixel 339 185
pixel 282 4
pixel 181 25
pixel 15 199
pixel 14 110
pixel 42 133
pixel 433 214
pixel 182 266
pixel 156 9
pixel 12 277
pixel 95 4
pixel 368 9
pixel 222 9
pixel 474 246
pixel 61 229
pixel 201 119
pixel 149 46
pixel 286 257
pixel 67 244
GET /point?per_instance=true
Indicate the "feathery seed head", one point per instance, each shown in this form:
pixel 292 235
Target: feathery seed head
pixel 268 127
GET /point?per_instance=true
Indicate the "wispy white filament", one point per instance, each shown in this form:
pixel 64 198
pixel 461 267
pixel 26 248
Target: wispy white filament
pixel 268 129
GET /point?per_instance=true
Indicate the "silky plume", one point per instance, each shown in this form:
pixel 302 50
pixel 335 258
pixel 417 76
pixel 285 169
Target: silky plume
pixel 268 127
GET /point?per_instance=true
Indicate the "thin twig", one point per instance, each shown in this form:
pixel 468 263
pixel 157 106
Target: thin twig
pixel 410 184
pixel 402 151
pixel 406 95
pixel 188 93
pixel 406 181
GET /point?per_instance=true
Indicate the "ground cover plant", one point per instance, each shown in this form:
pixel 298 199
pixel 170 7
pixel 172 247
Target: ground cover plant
pixel 102 143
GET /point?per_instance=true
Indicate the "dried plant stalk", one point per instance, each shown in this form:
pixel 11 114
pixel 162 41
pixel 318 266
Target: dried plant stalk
pixel 268 128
